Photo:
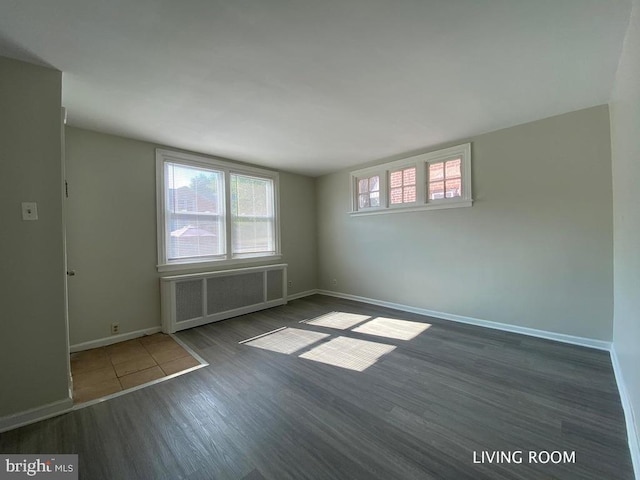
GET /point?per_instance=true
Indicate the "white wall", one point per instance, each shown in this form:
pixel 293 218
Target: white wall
pixel 625 142
pixel 33 336
pixel 535 250
pixel 112 234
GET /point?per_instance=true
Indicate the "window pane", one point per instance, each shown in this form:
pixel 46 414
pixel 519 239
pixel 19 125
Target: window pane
pixel 409 195
pixel 363 201
pixel 375 199
pixel 363 185
pixel 453 168
pixel 453 188
pixel 396 179
pixel 436 171
pixel 252 215
pixel 194 219
pixel 403 178
pixel 436 190
pixel 409 176
pixel 396 195
pixel 374 184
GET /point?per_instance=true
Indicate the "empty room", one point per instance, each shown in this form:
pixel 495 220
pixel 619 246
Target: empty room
pixel 267 240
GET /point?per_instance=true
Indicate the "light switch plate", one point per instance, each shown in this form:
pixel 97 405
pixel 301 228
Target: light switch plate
pixel 29 211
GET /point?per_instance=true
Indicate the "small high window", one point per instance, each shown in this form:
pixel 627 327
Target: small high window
pixel 445 179
pixel 369 192
pixel 402 185
pixel 440 179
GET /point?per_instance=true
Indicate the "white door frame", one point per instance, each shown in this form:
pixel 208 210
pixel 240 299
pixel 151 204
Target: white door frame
pixel 63 122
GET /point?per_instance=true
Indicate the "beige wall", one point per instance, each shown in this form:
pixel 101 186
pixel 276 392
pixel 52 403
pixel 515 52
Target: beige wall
pixel 299 231
pixel 625 142
pixel 535 250
pixel 33 343
pixel 112 234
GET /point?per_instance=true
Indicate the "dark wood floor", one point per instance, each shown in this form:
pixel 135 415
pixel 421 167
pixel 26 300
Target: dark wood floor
pixel 420 411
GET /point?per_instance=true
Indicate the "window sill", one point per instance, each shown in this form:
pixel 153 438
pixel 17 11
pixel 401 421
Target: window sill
pixel 431 206
pixel 193 267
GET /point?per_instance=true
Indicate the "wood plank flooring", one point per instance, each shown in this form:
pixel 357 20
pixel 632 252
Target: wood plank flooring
pixel 419 411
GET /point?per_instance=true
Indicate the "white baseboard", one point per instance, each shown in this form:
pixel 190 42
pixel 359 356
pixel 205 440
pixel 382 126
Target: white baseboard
pixel 36 414
pixel 101 342
pixel 629 417
pixel 306 293
pixel 559 337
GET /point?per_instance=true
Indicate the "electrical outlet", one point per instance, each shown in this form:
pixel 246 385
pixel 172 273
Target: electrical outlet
pixel 290 283
pixel 115 328
pixel 29 211
pixel 334 281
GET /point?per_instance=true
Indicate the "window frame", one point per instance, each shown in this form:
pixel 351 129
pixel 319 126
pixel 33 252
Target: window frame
pixel 421 163
pixel 227 169
pixel 419 186
pixel 381 190
pixel 231 217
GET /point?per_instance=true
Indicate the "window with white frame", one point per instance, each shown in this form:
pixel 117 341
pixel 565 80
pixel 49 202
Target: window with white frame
pixel 402 186
pixel 440 179
pixel 445 179
pixel 368 192
pixel 194 217
pixel 252 215
pixel 213 211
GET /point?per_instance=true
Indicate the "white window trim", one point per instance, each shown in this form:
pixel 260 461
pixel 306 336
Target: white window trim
pixel 227 168
pixel 420 186
pixel 382 182
pixel 421 163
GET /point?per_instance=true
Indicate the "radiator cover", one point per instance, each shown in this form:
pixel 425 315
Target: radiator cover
pixel 195 299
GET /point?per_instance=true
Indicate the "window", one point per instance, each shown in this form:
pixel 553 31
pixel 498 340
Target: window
pixel 369 192
pixel 213 211
pixel 252 215
pixel 445 179
pixel 194 212
pixel 402 185
pixel 440 179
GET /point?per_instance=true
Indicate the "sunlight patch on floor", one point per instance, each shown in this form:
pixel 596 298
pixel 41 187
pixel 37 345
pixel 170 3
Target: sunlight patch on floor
pixel 348 353
pixel 338 320
pixel 287 340
pixel 392 328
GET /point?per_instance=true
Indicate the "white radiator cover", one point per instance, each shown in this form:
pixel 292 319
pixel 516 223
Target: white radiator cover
pixel 195 299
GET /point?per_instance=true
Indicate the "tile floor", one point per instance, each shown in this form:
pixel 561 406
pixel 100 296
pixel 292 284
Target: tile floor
pixel 106 370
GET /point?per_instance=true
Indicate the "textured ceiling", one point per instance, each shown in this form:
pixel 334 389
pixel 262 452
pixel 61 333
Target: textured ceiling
pixel 316 86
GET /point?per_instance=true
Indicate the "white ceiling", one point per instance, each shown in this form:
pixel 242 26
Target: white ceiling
pixel 315 86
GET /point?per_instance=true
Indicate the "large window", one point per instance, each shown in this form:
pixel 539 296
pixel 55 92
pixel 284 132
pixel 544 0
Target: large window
pixel 213 211
pixel 194 224
pixel 252 215
pixel 440 179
